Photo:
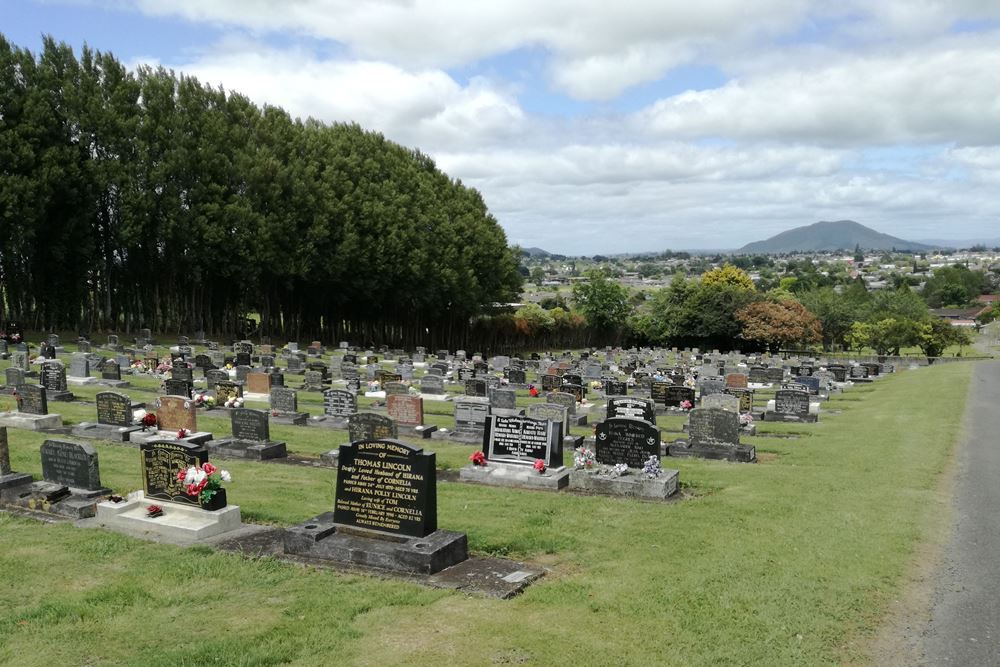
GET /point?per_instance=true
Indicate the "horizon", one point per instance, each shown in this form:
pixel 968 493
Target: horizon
pixel 617 130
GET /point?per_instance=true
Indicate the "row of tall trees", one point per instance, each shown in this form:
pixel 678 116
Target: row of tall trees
pixel 146 198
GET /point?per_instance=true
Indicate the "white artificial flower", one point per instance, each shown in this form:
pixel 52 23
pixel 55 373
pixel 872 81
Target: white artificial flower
pixel 226 477
pixel 195 475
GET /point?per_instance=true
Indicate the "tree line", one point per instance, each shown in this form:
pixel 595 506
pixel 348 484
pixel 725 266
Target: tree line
pixel 145 198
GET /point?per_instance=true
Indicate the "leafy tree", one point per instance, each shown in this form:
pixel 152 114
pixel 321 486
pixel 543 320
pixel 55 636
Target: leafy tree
pixel 777 324
pixel 604 302
pixel 729 275
pixel 935 336
pixel 954 286
pixel 885 336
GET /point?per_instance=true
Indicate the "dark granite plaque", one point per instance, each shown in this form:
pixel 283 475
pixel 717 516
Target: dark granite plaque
pixel 249 424
pixel 114 409
pixel 70 464
pixel 522 440
pixel 516 376
pixel 182 372
pixel 675 395
pixel 551 382
pixel 54 376
pixel 475 387
pixel 370 426
pixel 111 371
pixel 791 402
pixel 626 440
pixel 226 390
pixel 431 384
pixel 173 387
pixel 161 461
pixel 388 486
pixel 284 399
pixel 633 407
pixel 339 403
pixel 615 388
pixel 713 426
pixel 745 396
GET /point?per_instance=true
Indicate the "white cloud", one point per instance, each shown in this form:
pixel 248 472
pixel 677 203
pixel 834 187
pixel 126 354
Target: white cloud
pixel 947 93
pixel 426 107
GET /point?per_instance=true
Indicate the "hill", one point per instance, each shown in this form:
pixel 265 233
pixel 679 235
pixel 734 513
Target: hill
pixel 838 235
pixel 536 252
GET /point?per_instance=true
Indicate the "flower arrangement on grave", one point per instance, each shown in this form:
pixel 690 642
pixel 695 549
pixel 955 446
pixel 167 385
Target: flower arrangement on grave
pixel 204 482
pixel 617 470
pixel 539 466
pixel 144 419
pixel 478 458
pixel 746 420
pixel 689 382
pixel 163 367
pixel 234 402
pixel 413 391
pixel 229 367
pixel 686 405
pixel 584 459
pixel 651 468
pixel 154 511
pixel 204 401
pixel 596 385
pixel 374 385
pixel 15 337
pixel 532 391
pixel 182 433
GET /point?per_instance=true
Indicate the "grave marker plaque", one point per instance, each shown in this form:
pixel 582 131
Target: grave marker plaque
pixel 791 402
pixel 173 387
pixel 226 390
pixel 523 440
pixel 388 486
pixel 674 395
pixel 370 426
pixel 339 403
pixel 176 413
pixel 406 410
pixel 632 407
pixel 161 462
pixel 713 426
pixel 114 409
pixel 71 464
pixel 284 399
pixel 249 424
pixel 626 440
pixel 31 400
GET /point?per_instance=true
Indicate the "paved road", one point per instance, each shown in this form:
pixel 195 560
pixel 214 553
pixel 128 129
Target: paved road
pixel 964 629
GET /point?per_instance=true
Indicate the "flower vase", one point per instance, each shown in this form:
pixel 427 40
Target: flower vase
pixel 217 502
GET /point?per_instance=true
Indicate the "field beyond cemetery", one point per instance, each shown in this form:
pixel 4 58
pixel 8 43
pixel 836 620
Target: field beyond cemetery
pixel 791 561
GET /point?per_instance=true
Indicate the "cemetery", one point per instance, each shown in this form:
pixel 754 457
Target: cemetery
pixel 278 389
pixel 399 491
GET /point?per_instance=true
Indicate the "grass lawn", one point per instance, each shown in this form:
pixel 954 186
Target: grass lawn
pixel 787 562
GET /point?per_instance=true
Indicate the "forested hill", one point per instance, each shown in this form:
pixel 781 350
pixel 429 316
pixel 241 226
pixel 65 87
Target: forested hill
pixel 839 235
pixel 149 199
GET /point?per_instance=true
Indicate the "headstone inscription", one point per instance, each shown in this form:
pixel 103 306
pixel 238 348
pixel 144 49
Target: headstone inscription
pixel 523 440
pixel 71 464
pixel 176 412
pixel 626 440
pixel 32 399
pixel 632 407
pixel 173 387
pixel 114 409
pixel 387 486
pixel 339 403
pixel 161 462
pixel 405 410
pixel 250 425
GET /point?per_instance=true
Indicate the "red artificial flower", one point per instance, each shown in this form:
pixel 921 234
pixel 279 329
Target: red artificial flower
pixel 182 433
pixel 181 476
pixel 478 458
pixel 533 392
pixel 149 419
pixel 208 468
pixel 540 465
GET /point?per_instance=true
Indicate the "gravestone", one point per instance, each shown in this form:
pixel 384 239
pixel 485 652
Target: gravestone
pixel 161 463
pixel 790 405
pixel 181 371
pixel 736 380
pixel 214 376
pixel 173 387
pixel 370 426
pixel 713 433
pixel 114 419
pixel 258 383
pixel 339 403
pixel 13 377
pixel 512 445
pixel 385 513
pixel 632 407
pixel 72 464
pixel 10 481
pixel 53 378
pixel 251 437
pixel 745 397
pixel 19 359
pixel 432 385
pixel 674 395
pixel 227 390
pixel 79 369
pixel 285 407
pixel 395 388
pixel 470 421
pixel 757 375
pixel 723 401
pixel 175 413
pixel 626 440
pixel 475 387
pixel 312 381
pixel 503 401
pixel 774 375
pixel 32 399
pixel 408 412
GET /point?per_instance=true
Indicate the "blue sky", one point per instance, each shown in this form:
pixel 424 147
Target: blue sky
pixel 594 127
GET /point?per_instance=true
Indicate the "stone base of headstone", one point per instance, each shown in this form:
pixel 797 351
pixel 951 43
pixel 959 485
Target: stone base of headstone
pixel 794 419
pixel 331 458
pixel 117 384
pixel 322 539
pixel 11 482
pixel 63 396
pixel 81 381
pixel 422 431
pixel 496 473
pixel 178 523
pixel 437 397
pixel 57 499
pixel 328 421
pixel 736 454
pixel 290 418
pixel 508 412
pixel 104 431
pixel 30 422
pixel 246 449
pixel 260 398
pixel 194 438
pixel 632 485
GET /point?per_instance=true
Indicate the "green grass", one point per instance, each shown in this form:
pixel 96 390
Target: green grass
pixel 787 562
